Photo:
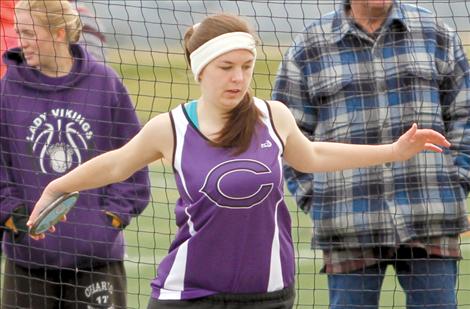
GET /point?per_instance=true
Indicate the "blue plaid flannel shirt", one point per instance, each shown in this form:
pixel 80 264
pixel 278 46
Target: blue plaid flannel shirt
pixel 344 86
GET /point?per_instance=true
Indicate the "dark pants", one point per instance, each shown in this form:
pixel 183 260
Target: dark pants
pixel 101 287
pixel 283 299
pixel 427 282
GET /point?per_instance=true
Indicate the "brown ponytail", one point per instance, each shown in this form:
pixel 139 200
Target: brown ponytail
pixel 241 121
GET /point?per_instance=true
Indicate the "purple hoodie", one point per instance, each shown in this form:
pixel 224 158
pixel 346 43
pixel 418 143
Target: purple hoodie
pixel 48 126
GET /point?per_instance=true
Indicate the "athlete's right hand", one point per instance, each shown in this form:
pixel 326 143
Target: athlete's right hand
pixel 47 197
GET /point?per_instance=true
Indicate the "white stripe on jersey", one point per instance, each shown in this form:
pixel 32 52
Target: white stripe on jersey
pixel 174 283
pixel 276 281
pixel 181 125
pixel 263 107
pixel 192 231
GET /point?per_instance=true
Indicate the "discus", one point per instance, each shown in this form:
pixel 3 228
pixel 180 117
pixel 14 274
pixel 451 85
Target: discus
pixel 52 213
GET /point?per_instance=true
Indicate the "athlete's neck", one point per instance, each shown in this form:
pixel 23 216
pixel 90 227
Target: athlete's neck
pixel 211 119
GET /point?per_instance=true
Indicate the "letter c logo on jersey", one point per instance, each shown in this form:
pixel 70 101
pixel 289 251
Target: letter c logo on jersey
pixel 238 184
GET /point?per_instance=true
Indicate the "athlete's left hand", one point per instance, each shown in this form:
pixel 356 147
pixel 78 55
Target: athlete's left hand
pixel 416 140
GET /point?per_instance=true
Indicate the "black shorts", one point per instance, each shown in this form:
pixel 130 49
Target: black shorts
pixel 283 299
pixel 100 287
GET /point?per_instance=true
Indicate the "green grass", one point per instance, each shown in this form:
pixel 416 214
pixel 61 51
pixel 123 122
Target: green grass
pixel 158 82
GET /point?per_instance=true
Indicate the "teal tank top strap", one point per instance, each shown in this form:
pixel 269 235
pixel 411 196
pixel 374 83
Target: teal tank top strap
pixel 191 109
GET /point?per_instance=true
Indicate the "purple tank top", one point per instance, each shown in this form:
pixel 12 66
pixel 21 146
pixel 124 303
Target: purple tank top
pixel 234 227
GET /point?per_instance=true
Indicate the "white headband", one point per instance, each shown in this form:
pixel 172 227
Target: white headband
pixel 220 45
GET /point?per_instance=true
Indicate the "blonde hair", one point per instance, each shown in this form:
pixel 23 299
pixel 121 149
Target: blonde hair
pixel 54 14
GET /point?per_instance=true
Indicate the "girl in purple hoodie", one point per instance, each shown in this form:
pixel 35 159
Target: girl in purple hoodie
pixel 60 108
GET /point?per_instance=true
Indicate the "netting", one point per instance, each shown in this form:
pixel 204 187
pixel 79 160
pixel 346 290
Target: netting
pixel 142 42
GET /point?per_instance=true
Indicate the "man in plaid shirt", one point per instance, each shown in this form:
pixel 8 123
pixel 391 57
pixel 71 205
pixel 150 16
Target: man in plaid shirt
pixel 363 74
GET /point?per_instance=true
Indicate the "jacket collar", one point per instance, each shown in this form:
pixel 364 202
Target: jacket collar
pixel 343 24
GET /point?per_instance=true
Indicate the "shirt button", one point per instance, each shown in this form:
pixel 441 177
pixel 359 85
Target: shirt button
pixel 382 87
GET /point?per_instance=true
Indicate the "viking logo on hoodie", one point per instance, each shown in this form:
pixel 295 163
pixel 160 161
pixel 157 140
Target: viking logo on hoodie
pixel 58 137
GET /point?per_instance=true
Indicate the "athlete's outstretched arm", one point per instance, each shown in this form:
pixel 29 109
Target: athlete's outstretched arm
pixel 150 144
pixel 306 156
